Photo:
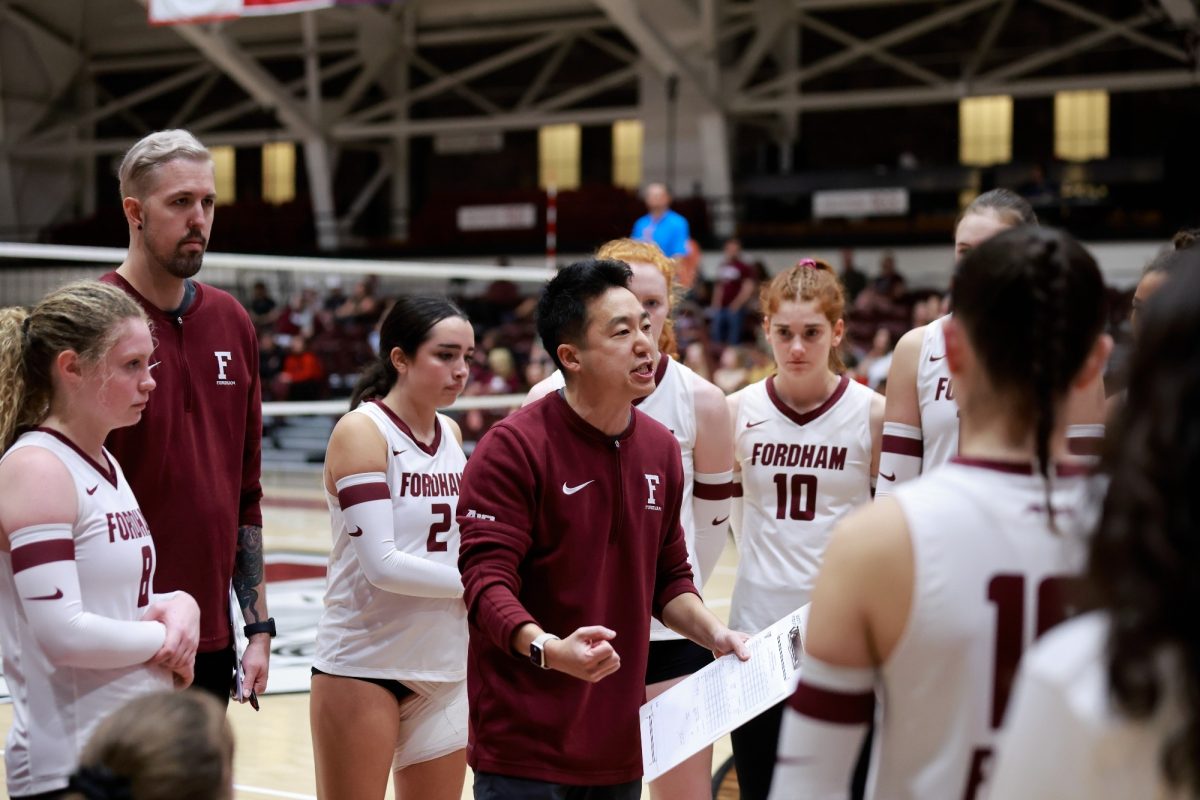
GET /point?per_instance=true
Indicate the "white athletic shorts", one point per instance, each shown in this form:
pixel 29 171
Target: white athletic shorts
pixel 433 722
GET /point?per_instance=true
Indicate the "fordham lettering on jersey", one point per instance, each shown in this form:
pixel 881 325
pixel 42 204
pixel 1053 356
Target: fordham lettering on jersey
pixel 808 456
pixel 441 484
pixel 945 389
pixel 126 525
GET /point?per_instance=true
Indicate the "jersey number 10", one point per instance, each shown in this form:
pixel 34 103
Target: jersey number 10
pixel 801 502
pixel 1051 608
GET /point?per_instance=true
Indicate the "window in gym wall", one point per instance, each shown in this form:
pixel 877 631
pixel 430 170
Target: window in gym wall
pixel 558 156
pixel 627 153
pixel 279 172
pixel 1081 125
pixel 225 173
pixel 985 128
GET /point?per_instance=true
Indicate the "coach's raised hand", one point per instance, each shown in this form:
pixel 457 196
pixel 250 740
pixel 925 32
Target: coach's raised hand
pixel 586 654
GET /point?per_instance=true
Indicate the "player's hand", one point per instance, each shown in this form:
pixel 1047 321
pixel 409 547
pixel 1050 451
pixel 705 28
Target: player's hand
pixel 255 663
pixel 585 654
pixel 183 676
pixel 726 641
pixel 181 617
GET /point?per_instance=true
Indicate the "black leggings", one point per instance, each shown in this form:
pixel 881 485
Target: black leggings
pixel 754 747
pixel 214 673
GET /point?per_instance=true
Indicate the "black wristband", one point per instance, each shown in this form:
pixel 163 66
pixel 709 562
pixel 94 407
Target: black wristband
pixel 260 627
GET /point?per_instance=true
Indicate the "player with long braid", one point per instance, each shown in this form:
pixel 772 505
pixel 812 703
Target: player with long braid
pixel 927 599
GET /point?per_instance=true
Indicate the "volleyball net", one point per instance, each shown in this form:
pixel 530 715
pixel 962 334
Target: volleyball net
pixel 29 271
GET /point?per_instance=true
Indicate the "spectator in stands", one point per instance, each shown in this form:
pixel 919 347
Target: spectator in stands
pixel 1039 190
pixel 853 279
pixel 270 363
pixel 736 283
pixel 362 308
pixel 661 225
pixel 695 359
pixel 761 365
pixel 503 367
pixel 335 294
pixel 299 318
pixel 927 310
pixel 872 368
pixel 302 377
pixel 539 366
pixel 890 283
pixel 731 373
pixel 263 308
pixel 161 746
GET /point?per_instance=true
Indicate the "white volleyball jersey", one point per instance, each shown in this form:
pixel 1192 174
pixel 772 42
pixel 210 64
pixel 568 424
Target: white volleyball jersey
pixel 989 576
pixel 801 473
pixel 1064 737
pixel 935 398
pixel 673 403
pixel 56 708
pixel 369 632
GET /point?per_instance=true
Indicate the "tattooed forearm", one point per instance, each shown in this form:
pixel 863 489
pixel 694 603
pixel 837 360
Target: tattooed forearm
pixel 248 573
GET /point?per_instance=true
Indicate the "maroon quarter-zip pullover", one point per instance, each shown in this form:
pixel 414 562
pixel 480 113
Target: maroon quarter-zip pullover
pixel 193 459
pixel 566 526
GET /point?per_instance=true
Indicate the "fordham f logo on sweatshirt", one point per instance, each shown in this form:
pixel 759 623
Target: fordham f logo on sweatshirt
pixel 223 357
pixel 652 482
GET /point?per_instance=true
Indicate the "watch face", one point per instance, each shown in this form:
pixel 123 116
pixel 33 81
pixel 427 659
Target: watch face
pixel 537 655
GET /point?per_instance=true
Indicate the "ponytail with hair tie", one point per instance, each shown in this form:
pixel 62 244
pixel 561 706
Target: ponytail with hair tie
pixel 100 783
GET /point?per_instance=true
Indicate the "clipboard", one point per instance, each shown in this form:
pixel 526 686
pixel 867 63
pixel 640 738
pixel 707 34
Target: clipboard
pixel 237 622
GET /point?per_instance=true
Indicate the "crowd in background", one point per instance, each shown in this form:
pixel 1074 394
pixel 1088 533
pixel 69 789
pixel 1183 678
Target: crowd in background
pixel 314 342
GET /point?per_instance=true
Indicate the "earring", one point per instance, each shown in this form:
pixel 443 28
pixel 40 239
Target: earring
pixel 139 226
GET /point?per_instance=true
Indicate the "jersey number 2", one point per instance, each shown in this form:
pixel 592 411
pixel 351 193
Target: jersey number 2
pixel 803 497
pixel 434 544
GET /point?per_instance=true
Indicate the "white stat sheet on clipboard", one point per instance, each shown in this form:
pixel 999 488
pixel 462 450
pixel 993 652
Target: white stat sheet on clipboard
pixel 237 622
pixel 727 693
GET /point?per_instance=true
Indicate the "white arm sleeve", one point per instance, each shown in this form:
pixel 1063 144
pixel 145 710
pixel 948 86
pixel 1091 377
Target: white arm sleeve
pixel 366 503
pixel 47 583
pixel 822 732
pixel 710 513
pixel 900 454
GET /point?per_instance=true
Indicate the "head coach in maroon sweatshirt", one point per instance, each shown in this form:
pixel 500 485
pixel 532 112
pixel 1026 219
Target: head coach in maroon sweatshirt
pixel 569 515
pixel 193 459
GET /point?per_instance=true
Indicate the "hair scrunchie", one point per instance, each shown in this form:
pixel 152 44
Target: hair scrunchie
pixel 100 783
pixel 807 262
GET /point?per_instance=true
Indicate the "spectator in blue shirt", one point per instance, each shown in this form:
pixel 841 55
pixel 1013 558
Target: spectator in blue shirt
pixel 662 226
